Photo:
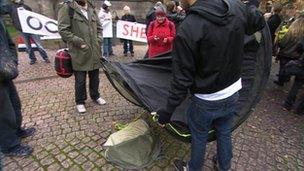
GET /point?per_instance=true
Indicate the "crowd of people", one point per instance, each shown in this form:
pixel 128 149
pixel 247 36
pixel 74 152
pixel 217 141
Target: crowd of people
pixel 287 32
pixel 207 65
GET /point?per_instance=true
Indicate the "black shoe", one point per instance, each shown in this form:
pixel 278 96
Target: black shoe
pixel 20 151
pixel 299 112
pixel 215 164
pixel 125 54
pixel 279 83
pixel 287 106
pixel 132 54
pixel 180 165
pixel 47 61
pixel 32 62
pixel 23 133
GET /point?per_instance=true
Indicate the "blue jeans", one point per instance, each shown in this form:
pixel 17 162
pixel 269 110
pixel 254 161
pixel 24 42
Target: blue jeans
pixel 204 115
pixel 107 47
pixel 30 50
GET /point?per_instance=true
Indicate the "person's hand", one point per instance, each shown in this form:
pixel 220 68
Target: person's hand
pixel 156 38
pixel 163 117
pixel 161 125
pixel 165 40
pixel 83 46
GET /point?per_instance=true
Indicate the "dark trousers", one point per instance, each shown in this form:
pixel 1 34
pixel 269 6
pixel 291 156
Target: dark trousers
pixel 36 40
pixel 10 116
pixel 128 46
pixel 294 68
pixel 282 78
pixel 80 85
pixel 293 92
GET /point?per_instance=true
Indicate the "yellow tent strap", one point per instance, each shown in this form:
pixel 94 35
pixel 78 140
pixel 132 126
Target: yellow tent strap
pixel 155 118
pixel 120 126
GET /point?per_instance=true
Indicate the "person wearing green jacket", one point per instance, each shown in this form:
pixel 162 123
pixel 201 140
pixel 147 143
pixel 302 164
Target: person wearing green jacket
pixel 80 28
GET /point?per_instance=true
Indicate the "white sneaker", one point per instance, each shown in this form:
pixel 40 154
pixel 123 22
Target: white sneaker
pixel 81 108
pixel 100 101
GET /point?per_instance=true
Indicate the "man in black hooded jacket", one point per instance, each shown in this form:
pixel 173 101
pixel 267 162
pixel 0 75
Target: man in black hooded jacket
pixel 207 59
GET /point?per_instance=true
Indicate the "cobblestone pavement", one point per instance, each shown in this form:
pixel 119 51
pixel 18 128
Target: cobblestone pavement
pixel 271 139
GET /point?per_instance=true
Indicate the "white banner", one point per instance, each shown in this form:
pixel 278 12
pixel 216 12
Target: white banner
pixel 131 31
pixel 38 24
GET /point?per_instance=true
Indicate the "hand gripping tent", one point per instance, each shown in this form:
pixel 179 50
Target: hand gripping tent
pixel 146 83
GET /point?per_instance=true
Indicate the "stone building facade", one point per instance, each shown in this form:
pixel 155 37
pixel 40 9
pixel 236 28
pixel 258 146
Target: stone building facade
pixel 49 7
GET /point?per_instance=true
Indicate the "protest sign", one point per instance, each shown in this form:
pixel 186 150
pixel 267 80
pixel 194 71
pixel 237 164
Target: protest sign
pixel 131 31
pixel 34 23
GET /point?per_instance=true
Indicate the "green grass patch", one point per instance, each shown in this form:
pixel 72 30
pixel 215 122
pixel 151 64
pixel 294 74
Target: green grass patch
pixel 12 32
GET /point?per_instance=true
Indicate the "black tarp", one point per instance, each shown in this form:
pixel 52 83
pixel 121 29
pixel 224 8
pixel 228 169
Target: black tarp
pixel 146 82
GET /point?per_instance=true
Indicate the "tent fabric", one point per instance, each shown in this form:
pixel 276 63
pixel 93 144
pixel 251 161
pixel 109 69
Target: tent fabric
pixel 133 147
pixel 146 82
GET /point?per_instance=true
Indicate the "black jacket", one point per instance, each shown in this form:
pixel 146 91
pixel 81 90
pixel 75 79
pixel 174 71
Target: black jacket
pixel 10 106
pixel 149 18
pixel 176 18
pixel 12 11
pixel 208 48
pixel 128 17
pixel 273 23
pixel 7 41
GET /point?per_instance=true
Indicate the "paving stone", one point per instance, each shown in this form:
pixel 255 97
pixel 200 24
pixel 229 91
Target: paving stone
pixel 32 166
pixel 88 165
pixel 67 163
pixel 67 140
pixel 75 168
pixel 80 159
pixel 54 167
pixel 73 154
pixel 47 161
pixel 41 155
pixel 61 157
pixel 12 165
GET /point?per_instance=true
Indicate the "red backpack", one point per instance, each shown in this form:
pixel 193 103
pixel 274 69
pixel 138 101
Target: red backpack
pixel 63 63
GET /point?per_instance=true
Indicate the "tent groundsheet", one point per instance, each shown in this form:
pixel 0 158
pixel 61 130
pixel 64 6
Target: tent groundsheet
pixel 146 82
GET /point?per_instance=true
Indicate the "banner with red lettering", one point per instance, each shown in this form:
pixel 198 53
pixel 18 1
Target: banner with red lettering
pixel 131 31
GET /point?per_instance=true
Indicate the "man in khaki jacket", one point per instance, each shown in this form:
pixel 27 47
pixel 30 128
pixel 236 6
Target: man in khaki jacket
pixel 79 26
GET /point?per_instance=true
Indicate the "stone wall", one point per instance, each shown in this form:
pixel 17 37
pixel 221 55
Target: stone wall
pixel 49 7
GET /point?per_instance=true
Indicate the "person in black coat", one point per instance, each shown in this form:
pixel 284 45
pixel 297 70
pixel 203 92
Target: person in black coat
pixel 291 49
pixel 173 15
pixel 207 63
pixel 128 44
pixel 274 20
pixel 11 131
pixel 300 49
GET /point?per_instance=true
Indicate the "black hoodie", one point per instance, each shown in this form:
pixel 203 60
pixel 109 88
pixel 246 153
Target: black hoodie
pixel 208 48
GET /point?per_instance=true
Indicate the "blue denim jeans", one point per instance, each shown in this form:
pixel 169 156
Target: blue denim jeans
pixel 107 47
pixel 204 115
pixel 30 50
